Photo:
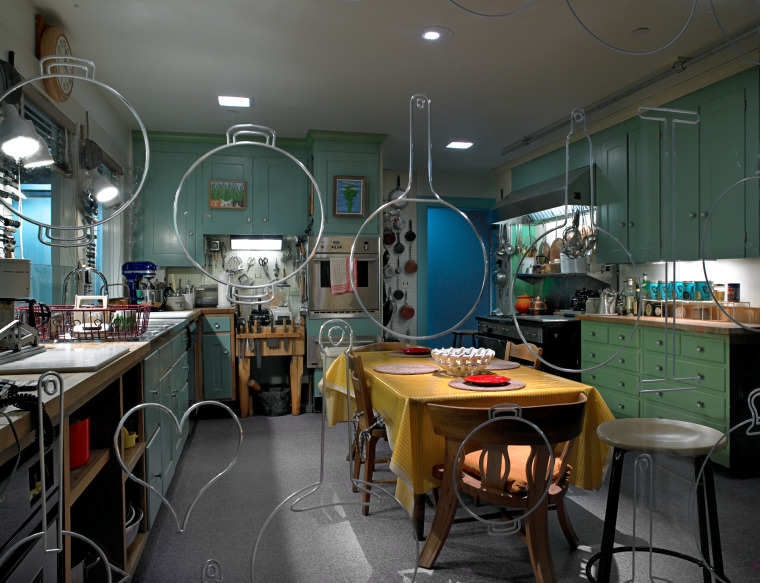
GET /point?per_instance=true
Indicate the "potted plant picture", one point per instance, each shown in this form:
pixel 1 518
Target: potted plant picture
pixel 226 194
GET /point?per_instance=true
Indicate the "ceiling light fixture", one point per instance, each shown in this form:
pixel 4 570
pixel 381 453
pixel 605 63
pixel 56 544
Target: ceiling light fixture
pixel 17 139
pixel 229 101
pixel 435 33
pixel 255 243
pixel 42 156
pixel 459 145
pixel 102 189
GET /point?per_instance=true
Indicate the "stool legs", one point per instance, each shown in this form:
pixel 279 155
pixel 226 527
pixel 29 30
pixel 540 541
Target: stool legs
pixel 707 512
pixel 610 517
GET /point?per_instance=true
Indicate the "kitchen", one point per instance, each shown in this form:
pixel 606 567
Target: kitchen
pixel 358 150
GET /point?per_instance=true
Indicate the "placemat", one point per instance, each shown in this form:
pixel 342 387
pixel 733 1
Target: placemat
pixel 462 384
pixel 499 364
pixel 406 368
pixel 405 355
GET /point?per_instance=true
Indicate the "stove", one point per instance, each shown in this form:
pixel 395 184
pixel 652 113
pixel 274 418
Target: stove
pixel 559 336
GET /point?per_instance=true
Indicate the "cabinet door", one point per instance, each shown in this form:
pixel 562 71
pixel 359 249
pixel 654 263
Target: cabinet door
pixel 155 475
pixel 155 239
pixel 644 193
pixel 229 220
pixel 217 367
pixel 168 433
pixel 151 391
pixel 683 196
pixel 283 191
pixel 612 198
pixel 721 165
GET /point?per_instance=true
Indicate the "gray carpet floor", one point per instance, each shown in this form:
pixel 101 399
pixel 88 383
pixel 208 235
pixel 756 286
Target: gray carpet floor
pixel 335 543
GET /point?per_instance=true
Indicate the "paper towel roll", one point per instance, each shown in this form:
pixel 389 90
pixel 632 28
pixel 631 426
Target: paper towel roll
pixel 222 301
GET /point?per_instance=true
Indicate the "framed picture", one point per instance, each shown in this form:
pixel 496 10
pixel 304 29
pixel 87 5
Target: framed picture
pixel 350 194
pixel 226 194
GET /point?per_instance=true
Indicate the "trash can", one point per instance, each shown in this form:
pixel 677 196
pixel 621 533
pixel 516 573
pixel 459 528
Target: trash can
pixel 275 400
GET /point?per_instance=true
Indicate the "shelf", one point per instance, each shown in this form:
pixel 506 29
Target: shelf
pixel 82 476
pixel 135 550
pixel 536 277
pixel 132 456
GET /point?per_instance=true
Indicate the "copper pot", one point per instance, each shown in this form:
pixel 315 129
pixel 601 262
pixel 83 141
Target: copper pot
pixel 537 306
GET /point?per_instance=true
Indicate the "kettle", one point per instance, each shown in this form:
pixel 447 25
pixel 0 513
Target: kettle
pixel 538 306
pixel 608 303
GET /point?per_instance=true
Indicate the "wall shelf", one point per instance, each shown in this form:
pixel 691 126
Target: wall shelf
pixel 132 456
pixel 82 477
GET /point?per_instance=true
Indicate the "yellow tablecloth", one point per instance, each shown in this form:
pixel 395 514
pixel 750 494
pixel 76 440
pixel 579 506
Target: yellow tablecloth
pixel 401 399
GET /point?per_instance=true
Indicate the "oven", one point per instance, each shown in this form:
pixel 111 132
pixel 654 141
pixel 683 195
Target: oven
pixel 322 304
pixel 21 516
pixel 559 336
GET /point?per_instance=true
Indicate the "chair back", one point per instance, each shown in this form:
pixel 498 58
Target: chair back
pixel 522 352
pixel 381 346
pixel 361 390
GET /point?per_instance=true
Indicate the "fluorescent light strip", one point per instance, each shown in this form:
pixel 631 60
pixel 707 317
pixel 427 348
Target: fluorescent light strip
pixel 229 101
pixel 459 145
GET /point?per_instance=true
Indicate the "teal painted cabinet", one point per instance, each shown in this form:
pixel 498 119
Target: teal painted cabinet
pixel 155 237
pixel 218 359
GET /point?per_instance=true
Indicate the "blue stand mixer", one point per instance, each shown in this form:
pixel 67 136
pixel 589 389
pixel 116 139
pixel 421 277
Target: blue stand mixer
pixel 133 272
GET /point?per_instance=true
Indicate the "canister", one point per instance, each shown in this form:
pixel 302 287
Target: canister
pixel 79 442
pixel 688 290
pixel 662 292
pixel 654 290
pixel 719 289
pixel 702 291
pixel 733 291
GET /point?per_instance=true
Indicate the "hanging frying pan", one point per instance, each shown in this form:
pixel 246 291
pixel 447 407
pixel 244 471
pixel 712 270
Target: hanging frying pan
pixel 389 237
pixel 386 257
pixel 411 265
pixel 407 312
pixel 398 247
pixel 410 235
pixel 388 308
pixel 396 194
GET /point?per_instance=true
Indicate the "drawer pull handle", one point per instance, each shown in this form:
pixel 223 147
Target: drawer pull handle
pixel 621 360
pixel 700 376
pixel 700 349
pixel 592 333
pixel 154 392
pixel 621 383
pixel 700 404
pixel 592 354
pixel 659 393
pixel 216 326
pixel 155 475
pixel 659 343
pixel 593 376
pixel 622 223
pixel 659 367
pixel 621 406
pixel 692 215
pixel 659 417
pixel 225 351
pixel 621 337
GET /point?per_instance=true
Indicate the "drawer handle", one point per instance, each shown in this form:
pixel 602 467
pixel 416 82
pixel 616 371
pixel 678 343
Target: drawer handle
pixel 592 333
pixel 692 215
pixel 154 392
pixel 592 354
pixel 621 337
pixel 700 376
pixel 216 326
pixel 703 214
pixel 621 360
pixel 621 406
pixel 659 367
pixel 622 223
pixel 593 376
pixel 155 475
pixel 700 404
pixel 659 343
pixel 174 394
pixel 225 351
pixel 700 349
pixel 659 393
pixel 621 383
pixel 659 417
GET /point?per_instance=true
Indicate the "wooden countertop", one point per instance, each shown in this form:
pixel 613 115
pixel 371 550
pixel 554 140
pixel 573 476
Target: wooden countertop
pixel 701 326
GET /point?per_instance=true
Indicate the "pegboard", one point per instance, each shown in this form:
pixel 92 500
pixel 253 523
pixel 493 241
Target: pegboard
pixel 404 281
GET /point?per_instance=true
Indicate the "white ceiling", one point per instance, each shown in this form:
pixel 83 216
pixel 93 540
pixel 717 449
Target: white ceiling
pixel 353 65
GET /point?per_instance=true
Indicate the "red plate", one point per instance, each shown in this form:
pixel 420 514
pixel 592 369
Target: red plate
pixel 415 350
pixel 487 380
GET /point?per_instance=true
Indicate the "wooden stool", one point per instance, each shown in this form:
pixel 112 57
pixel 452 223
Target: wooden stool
pixel 668 437
pixel 458 337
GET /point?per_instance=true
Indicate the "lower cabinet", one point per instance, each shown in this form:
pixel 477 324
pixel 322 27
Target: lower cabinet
pixel 218 358
pixel 716 365
pixel 166 375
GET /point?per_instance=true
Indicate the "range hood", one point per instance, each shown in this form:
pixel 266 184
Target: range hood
pixel 545 195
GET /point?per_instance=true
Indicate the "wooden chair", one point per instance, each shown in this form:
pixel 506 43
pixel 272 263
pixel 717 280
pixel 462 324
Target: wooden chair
pixel 522 352
pixel 380 346
pixel 518 478
pixel 369 429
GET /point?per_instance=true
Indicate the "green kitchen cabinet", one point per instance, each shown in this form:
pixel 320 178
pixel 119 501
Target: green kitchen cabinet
pixel 155 237
pixel 218 359
pixel 611 159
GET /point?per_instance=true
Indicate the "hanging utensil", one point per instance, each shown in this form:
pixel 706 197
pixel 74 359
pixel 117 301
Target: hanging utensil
pixel 388 271
pixel 388 308
pixel 398 294
pixel 399 224
pixel 407 312
pixel 386 257
pixel 500 277
pixel 500 246
pixel 389 237
pixel 410 235
pixel 398 266
pixel 398 248
pixel 397 194
pixel 411 265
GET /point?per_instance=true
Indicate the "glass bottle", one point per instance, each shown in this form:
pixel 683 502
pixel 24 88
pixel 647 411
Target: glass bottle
pixel 629 294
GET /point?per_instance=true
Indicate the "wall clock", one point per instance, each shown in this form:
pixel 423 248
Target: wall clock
pixel 54 42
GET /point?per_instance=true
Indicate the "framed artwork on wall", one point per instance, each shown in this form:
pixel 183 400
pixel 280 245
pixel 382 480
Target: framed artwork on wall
pixel 226 194
pixel 350 196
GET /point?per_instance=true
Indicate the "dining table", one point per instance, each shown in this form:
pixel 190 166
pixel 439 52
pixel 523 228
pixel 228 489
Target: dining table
pixel 400 398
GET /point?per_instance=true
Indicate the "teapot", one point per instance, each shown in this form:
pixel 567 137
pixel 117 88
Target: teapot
pixel 538 306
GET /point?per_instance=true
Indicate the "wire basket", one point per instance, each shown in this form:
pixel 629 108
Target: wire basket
pixel 117 323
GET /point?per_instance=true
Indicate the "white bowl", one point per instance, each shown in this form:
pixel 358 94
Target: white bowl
pixel 462 362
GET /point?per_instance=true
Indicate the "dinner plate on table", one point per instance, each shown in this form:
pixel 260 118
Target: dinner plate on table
pixel 487 380
pixel 412 351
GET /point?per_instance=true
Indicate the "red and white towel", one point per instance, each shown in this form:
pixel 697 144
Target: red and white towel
pixel 339 270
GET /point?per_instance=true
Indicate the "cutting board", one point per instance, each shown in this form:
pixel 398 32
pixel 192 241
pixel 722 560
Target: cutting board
pixel 67 358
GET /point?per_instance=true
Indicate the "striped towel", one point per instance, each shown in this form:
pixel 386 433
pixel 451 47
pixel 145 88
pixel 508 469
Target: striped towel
pixel 339 270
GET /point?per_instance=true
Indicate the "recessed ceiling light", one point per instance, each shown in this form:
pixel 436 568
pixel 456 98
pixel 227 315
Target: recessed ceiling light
pixel 640 31
pixel 228 101
pixel 435 33
pixel 459 145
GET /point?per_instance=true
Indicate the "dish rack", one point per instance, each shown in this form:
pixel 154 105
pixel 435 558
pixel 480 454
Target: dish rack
pixel 116 323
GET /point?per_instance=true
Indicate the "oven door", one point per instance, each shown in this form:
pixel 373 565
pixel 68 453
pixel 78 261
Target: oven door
pixel 498 345
pixel 322 304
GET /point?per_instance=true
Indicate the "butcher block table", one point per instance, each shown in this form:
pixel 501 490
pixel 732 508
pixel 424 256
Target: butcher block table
pixel 401 399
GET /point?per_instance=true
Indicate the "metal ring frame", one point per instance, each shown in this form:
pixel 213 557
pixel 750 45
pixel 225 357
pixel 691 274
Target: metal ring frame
pixel 87 73
pixel 232 134
pixel 728 38
pixel 51 383
pixel 633 53
pixel 18 456
pixel 419 101
pixel 486 15
pixel 578 116
pixel 337 331
pixel 178 425
pixel 500 527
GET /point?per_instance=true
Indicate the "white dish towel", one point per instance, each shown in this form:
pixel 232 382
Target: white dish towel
pixel 339 270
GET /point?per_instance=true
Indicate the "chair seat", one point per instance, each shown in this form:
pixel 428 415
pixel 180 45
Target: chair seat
pixel 664 436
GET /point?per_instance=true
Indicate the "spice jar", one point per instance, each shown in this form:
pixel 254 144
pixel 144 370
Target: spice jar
pixel 719 290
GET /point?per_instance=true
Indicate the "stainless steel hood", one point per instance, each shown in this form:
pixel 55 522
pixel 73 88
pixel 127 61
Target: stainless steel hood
pixel 545 195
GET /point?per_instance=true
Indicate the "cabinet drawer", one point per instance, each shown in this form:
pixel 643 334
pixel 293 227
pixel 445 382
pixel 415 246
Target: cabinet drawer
pixel 620 404
pixel 594 332
pixel 711 376
pixel 626 359
pixel 653 339
pixel 211 325
pixel 179 345
pixel 612 378
pixel 618 335
pixel 703 347
pixel 695 402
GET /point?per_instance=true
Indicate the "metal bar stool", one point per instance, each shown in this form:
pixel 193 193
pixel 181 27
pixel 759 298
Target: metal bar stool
pixel 669 437
pixel 458 337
